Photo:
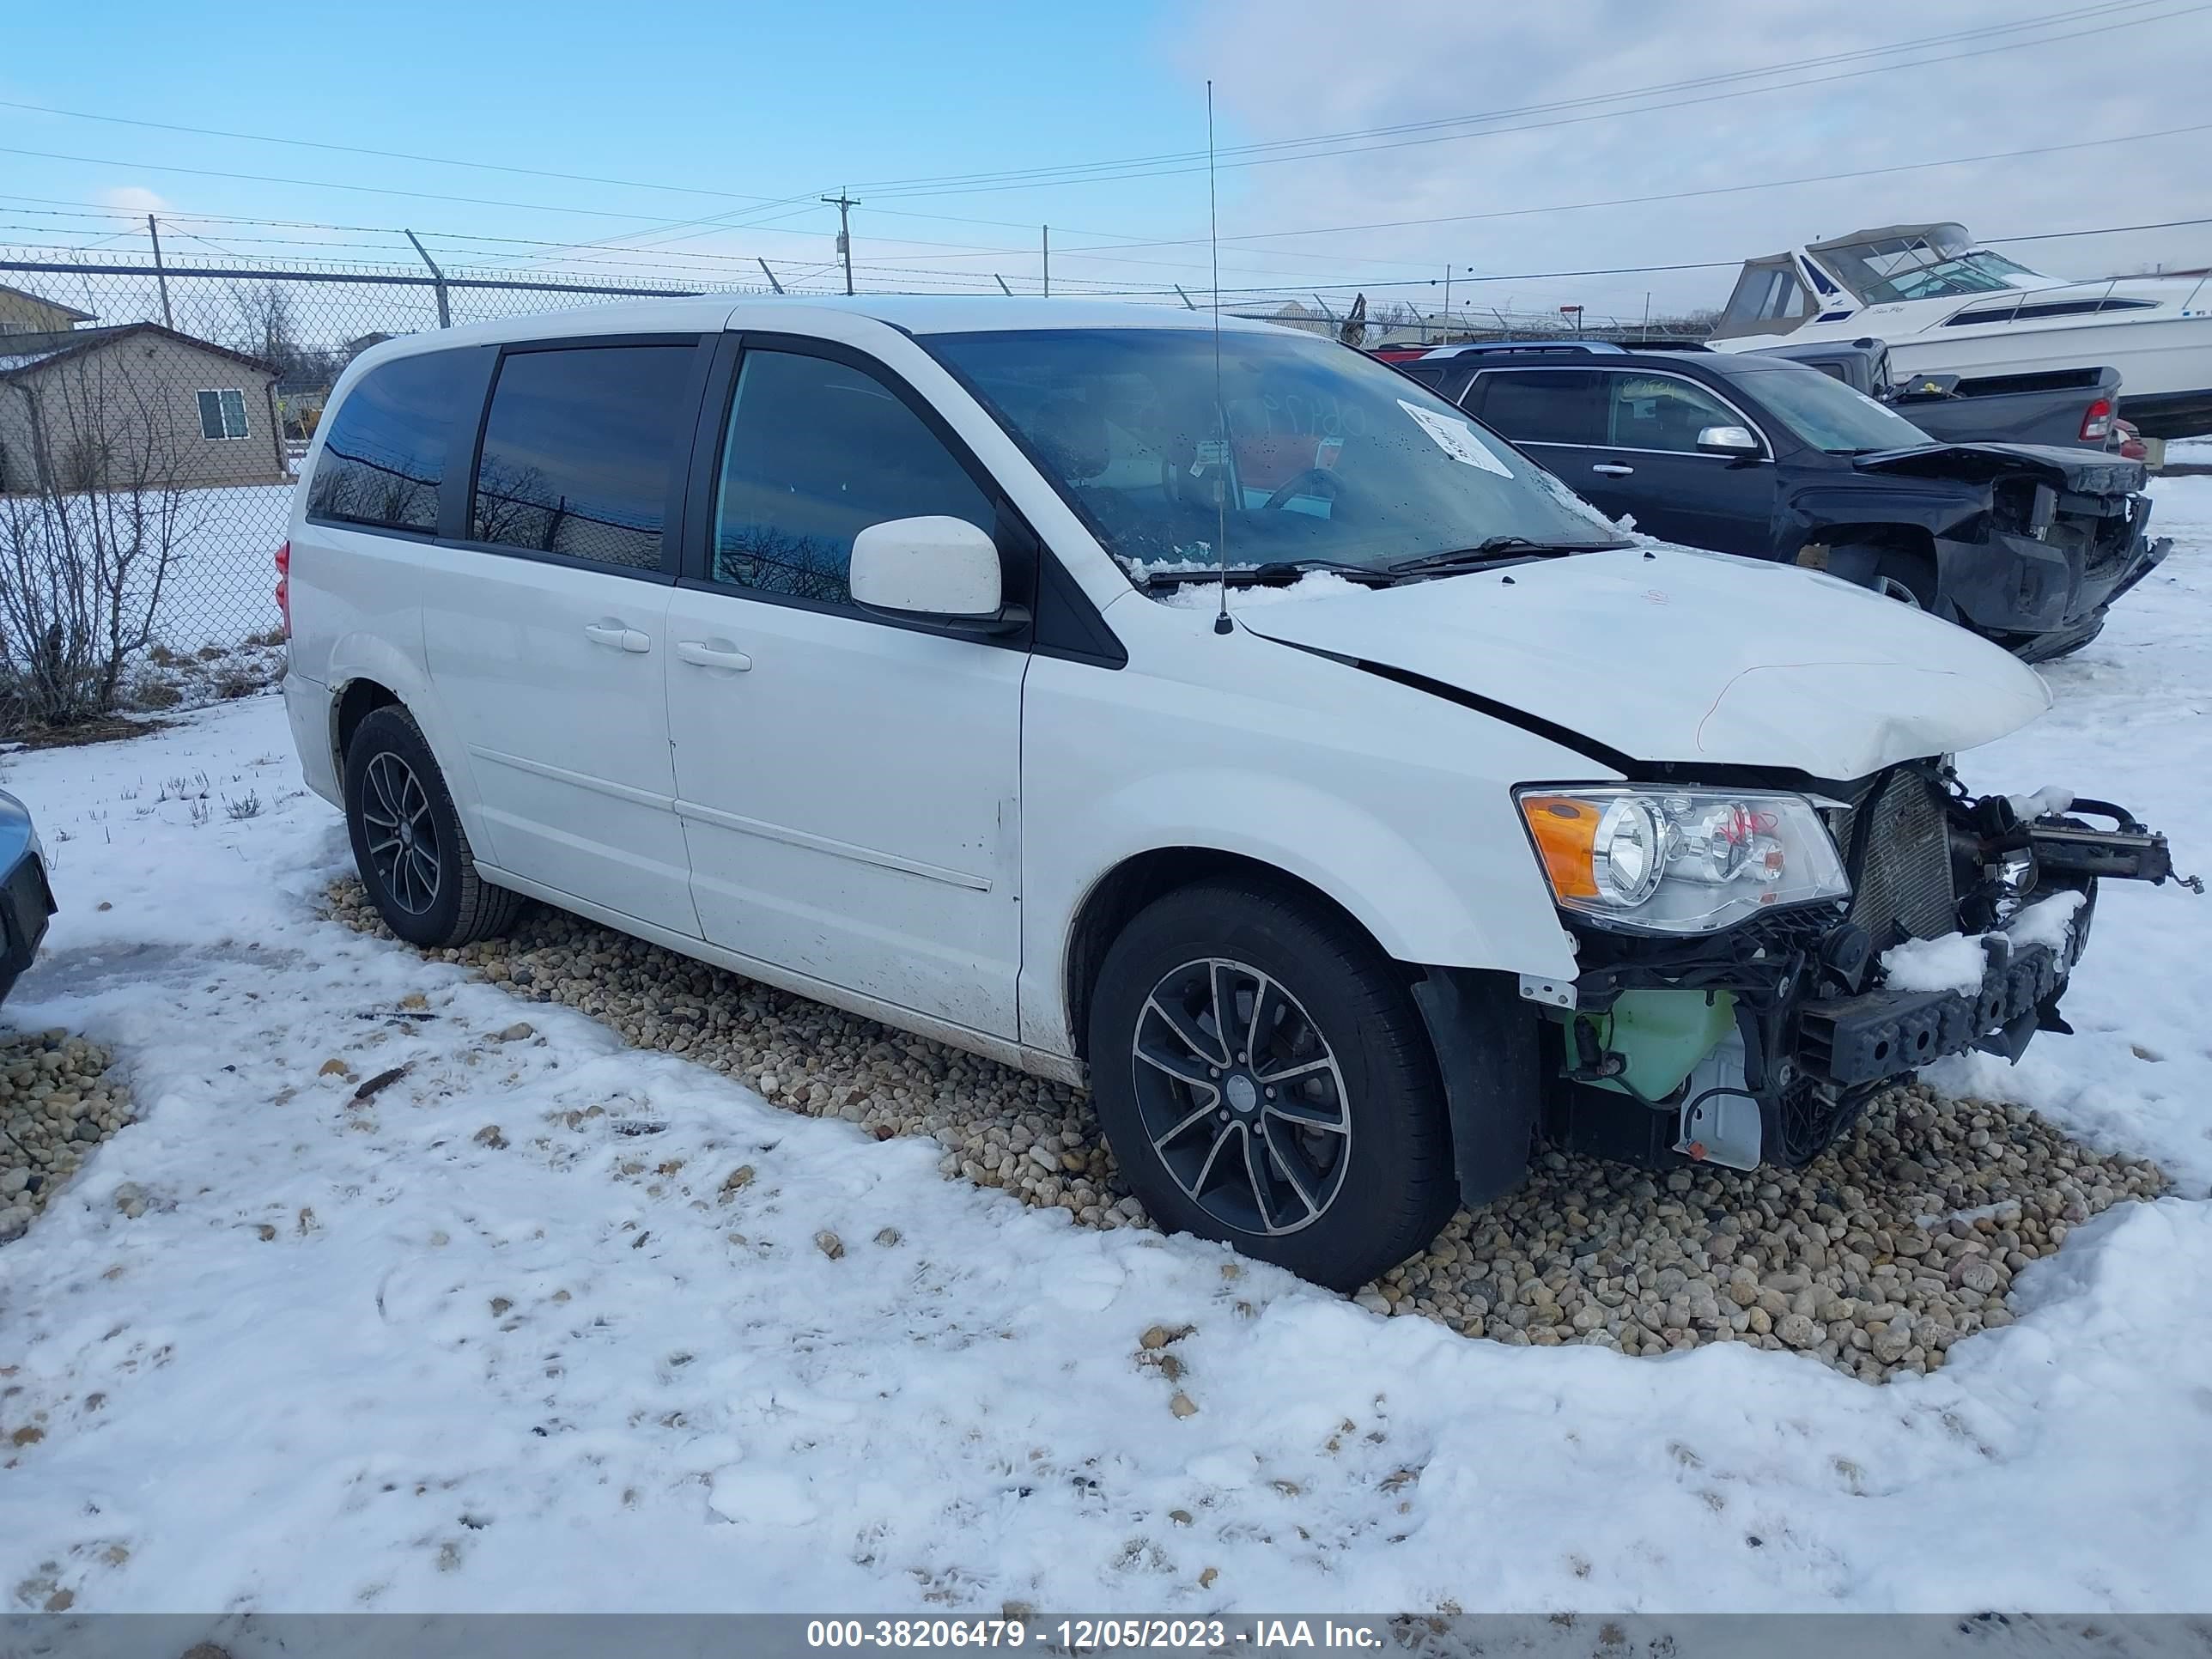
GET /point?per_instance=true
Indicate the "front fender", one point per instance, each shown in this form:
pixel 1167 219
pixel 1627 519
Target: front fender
pixel 1836 514
pixel 1392 887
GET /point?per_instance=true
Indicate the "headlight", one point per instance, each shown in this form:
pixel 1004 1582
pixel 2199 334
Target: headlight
pixel 1679 861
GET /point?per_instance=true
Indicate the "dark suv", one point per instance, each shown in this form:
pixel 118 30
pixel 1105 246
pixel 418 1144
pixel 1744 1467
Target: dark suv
pixel 2025 543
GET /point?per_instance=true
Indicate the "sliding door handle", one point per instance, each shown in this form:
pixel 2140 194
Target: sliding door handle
pixel 613 635
pixel 720 655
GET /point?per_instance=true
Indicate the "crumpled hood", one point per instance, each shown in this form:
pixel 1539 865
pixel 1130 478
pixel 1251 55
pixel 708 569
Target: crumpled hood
pixel 2088 471
pixel 1669 654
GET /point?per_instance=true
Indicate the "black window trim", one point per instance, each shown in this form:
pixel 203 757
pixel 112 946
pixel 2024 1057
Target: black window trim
pixel 484 361
pixel 1019 546
pixel 1757 430
pixel 2028 308
pixel 454 517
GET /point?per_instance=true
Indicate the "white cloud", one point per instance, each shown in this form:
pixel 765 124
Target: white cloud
pixel 1291 68
pixel 134 198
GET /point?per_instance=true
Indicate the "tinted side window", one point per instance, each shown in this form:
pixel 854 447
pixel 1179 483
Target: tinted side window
pixel 815 453
pixel 578 447
pixel 1657 411
pixel 390 445
pixel 1541 405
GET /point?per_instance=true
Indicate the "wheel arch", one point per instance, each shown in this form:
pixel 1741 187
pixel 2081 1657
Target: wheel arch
pixel 1116 897
pixel 1480 1037
pixel 368 672
pixel 356 701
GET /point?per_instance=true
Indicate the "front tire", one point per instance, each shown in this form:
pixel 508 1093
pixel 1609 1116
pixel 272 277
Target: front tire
pixel 1897 573
pixel 1264 1079
pixel 408 843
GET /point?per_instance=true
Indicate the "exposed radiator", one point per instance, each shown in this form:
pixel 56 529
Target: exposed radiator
pixel 1896 845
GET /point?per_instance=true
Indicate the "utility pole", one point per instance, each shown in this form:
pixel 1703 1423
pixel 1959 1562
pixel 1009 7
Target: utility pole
pixel 844 204
pixel 1047 262
pixel 160 275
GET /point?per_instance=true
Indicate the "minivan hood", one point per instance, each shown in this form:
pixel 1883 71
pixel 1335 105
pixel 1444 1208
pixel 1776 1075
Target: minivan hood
pixel 1666 654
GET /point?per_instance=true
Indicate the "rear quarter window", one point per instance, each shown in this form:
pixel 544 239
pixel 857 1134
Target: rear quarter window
pixel 392 444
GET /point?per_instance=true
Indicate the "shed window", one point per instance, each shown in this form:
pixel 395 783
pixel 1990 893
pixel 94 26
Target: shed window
pixel 223 414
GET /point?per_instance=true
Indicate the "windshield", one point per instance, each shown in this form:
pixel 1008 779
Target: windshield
pixel 1828 415
pixel 1927 267
pixel 1329 457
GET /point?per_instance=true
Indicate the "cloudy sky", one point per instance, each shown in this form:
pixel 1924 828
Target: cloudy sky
pixel 694 136
pixel 2116 71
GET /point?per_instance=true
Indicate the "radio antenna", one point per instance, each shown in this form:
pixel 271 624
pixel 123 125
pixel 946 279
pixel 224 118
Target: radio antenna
pixel 1221 622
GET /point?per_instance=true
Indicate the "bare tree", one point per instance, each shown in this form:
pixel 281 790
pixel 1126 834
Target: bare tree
pixel 87 547
pixel 267 329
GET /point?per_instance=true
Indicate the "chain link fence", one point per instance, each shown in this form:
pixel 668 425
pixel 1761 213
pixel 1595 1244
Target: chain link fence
pixel 152 419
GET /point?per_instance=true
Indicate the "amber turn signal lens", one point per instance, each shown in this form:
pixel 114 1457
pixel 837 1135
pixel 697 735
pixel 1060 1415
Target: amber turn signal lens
pixel 1565 833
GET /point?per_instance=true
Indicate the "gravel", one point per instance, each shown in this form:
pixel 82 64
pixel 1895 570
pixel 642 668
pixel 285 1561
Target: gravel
pixel 57 1103
pixel 1875 1258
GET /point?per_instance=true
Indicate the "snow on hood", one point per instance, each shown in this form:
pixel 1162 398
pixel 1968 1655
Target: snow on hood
pixel 1668 655
pixel 1314 584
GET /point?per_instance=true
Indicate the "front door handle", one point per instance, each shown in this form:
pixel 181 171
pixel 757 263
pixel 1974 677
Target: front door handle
pixel 1612 470
pixel 722 654
pixel 614 634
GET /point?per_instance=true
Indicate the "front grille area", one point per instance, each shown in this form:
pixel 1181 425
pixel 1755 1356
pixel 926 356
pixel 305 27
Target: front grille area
pixel 1897 847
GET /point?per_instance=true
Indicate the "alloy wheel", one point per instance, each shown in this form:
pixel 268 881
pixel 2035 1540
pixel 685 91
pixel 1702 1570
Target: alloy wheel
pixel 403 835
pixel 1897 590
pixel 1241 1097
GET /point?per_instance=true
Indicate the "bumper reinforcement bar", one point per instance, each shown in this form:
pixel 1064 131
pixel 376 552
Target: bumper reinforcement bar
pixel 1884 1034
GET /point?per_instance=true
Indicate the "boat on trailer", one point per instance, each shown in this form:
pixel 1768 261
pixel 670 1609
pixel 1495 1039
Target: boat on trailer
pixel 1947 306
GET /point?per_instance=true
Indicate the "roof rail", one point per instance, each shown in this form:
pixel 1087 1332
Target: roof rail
pixel 1665 345
pixel 1588 348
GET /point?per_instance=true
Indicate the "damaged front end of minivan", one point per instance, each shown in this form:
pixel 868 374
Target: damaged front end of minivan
pixel 1813 951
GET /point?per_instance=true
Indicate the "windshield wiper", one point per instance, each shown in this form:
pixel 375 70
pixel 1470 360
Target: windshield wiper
pixel 1273 570
pixel 1493 550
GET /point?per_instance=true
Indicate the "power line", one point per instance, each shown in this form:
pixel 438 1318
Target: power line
pixel 595 252
pixel 327 183
pixel 1547 107
pixel 1167 171
pixel 1126 240
pixel 386 155
pixel 2106 12
pixel 1711 190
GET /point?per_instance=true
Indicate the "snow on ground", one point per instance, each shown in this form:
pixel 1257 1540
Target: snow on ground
pixel 218 588
pixel 504 1335
pixel 2132 724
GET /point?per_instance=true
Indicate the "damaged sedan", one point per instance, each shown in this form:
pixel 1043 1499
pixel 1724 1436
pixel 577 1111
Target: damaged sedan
pixel 2026 545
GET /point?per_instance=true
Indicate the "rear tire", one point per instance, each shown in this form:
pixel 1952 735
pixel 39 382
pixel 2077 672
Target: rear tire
pixel 1312 1132
pixel 408 843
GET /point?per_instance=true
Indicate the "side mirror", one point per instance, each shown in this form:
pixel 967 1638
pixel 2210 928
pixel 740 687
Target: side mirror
pixel 937 569
pixel 1736 441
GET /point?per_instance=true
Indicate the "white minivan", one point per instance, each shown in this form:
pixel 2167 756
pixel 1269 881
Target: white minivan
pixel 881 650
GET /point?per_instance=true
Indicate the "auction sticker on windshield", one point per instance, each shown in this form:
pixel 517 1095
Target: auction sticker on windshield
pixel 1456 439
